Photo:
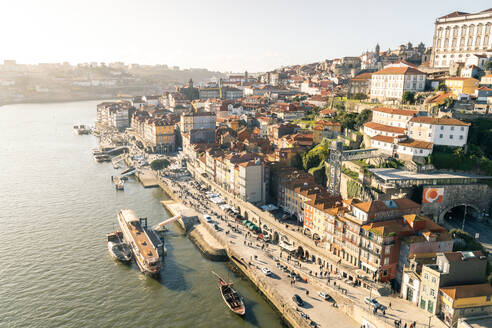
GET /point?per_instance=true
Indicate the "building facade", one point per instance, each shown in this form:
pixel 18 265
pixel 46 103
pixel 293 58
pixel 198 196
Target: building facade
pixel 459 35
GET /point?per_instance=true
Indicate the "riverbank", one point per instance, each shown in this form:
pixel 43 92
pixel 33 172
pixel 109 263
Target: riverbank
pixel 196 231
pixel 56 100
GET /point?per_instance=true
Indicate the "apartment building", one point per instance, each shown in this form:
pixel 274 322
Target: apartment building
pixel 439 131
pixel 450 269
pixel 114 114
pixel 197 120
pixel 461 86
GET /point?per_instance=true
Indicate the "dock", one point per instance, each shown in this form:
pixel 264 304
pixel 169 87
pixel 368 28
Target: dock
pixel 197 231
pixel 147 178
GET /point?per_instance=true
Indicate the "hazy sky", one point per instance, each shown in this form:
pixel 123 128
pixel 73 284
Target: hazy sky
pixel 220 35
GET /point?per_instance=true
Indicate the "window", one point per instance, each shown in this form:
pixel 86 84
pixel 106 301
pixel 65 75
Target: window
pixel 386 261
pixel 424 288
pixel 385 273
pixel 430 306
pixel 440 136
pixel 462 128
pixel 442 127
pixel 487 298
pixel 451 136
pixel 432 292
pixel 426 276
pixel 452 128
pixel 422 303
pixel 433 280
pixel 461 137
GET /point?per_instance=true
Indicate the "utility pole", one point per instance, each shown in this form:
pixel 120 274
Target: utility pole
pixel 464 217
pixel 430 317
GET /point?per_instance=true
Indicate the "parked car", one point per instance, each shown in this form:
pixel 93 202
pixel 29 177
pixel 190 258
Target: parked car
pixel 298 300
pixel 278 265
pixel 325 296
pixel 375 304
pixel 266 271
pixel 208 218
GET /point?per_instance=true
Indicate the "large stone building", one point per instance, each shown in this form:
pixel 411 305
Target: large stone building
pixel 459 35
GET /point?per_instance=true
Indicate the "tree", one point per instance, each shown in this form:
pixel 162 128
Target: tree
pixel 488 65
pixel 441 87
pixel 359 96
pixel 408 97
pixel 159 164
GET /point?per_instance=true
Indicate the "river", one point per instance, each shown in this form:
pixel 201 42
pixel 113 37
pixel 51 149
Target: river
pixel 57 205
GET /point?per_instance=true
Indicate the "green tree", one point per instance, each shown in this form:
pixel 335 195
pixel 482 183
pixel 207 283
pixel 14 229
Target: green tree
pixel 159 164
pixel 488 66
pixel 408 97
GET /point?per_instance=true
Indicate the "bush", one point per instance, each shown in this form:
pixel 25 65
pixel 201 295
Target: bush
pixel 159 164
pixel 408 97
pixel 469 243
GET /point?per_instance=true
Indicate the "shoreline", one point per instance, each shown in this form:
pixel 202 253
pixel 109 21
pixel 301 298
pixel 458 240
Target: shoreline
pixel 47 101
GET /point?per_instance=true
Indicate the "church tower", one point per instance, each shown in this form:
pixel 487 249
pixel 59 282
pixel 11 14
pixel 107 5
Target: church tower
pixel 190 83
pixel 377 49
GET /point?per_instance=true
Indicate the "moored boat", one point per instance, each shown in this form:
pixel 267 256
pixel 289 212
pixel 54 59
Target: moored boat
pixel 117 248
pixel 135 234
pixel 231 297
pixel 81 129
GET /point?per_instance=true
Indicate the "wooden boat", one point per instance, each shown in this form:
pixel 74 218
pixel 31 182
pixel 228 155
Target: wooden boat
pixel 117 248
pixel 231 297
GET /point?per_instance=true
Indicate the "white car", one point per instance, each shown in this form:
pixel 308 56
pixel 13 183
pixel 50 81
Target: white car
pixel 266 271
pixel 208 218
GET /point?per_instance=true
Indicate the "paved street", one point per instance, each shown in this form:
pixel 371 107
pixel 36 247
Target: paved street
pixel 473 226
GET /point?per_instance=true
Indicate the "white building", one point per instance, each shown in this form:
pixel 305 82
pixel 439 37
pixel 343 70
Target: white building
pixel 392 81
pixel 459 35
pixel 439 131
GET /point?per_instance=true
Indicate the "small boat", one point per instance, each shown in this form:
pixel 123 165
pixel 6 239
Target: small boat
pixel 117 248
pixel 119 183
pixel 102 158
pixel 81 129
pixel 231 297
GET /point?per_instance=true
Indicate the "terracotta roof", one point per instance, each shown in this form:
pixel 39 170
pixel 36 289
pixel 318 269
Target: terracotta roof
pixel 439 98
pixel 362 77
pixel 458 256
pixel 381 138
pixel 399 71
pixel 460 78
pixel 380 206
pixel 484 89
pixel 385 128
pixel 468 291
pixel 454 14
pixel 397 111
pixel 438 121
pixel 416 144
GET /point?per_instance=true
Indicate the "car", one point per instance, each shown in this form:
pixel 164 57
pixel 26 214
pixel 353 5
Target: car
pixel 286 269
pixel 266 271
pixel 324 296
pixel 278 265
pixel 298 300
pixel 208 218
pixel 375 304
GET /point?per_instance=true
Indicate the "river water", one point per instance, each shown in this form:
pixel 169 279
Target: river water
pixel 56 206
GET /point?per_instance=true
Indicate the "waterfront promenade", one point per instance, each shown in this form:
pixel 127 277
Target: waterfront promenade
pixel 350 300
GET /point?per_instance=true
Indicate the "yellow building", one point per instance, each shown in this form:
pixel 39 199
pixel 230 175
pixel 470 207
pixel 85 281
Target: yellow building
pixel 460 85
pixel 465 301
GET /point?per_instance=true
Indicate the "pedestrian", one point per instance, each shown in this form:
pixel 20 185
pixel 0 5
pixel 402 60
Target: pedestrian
pixel 405 325
pixel 390 305
pixel 384 312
